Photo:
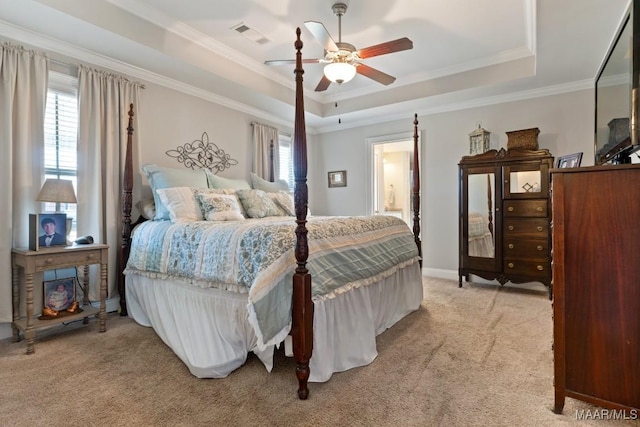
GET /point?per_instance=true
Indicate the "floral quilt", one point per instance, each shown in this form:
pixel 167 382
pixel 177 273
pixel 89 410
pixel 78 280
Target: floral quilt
pixel 256 256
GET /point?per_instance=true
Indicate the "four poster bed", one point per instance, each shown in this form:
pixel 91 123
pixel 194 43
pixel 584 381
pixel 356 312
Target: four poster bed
pixel 216 290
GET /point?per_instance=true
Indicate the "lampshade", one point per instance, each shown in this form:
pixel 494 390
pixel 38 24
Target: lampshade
pixel 58 191
pixel 339 72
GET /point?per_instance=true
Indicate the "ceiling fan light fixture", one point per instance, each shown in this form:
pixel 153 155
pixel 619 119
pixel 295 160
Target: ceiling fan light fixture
pixel 340 72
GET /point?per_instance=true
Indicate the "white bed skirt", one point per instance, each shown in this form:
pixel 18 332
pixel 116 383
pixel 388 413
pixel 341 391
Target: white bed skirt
pixel 209 330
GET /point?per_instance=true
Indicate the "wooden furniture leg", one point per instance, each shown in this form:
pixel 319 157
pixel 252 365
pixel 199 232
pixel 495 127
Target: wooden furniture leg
pixel 16 302
pixel 29 333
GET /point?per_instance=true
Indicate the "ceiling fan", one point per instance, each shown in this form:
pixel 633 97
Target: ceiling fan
pixel 343 59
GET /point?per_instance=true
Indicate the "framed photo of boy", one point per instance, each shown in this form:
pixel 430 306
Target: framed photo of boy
pixel 59 294
pixel 47 229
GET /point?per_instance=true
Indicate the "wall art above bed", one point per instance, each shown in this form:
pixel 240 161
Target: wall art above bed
pixel 202 154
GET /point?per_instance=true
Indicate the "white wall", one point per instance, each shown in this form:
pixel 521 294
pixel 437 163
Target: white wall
pixel 566 126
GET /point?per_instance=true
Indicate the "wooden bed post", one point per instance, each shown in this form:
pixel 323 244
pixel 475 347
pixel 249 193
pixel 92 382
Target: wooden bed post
pixel 127 187
pixel 416 189
pixel 271 164
pixel 302 306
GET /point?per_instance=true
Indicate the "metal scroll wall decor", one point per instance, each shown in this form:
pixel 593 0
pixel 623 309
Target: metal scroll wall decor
pixel 203 154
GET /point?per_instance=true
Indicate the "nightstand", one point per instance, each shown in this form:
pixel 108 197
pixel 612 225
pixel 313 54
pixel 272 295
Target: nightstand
pixel 53 258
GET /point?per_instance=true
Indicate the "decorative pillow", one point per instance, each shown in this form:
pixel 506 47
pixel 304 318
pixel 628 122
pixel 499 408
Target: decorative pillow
pixel 162 177
pixel 284 201
pixel 181 204
pixel 257 204
pixel 268 186
pixel 147 208
pixel 219 207
pixel 227 183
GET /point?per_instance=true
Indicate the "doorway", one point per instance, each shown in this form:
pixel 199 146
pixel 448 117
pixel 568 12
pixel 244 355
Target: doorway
pixel 391 176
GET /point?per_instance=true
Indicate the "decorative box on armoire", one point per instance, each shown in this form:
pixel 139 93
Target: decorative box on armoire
pixel 505 215
pixel 596 286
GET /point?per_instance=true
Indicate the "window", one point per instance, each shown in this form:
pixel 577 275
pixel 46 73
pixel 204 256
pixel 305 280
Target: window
pixel 286 160
pixel 61 137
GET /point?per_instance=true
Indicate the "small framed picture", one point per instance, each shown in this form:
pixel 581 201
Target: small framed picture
pixel 46 230
pixel 338 179
pixel 59 294
pixel 569 161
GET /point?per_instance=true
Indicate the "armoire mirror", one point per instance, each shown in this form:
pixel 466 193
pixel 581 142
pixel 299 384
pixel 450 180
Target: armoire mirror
pixel 481 205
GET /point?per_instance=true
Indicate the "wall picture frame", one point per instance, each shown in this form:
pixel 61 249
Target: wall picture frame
pixel 337 179
pixel 47 230
pixel 569 161
pixel 60 294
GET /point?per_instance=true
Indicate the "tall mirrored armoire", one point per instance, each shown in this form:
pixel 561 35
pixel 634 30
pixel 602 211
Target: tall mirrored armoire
pixel 505 212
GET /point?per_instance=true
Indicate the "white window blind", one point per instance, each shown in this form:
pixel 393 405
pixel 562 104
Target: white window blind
pixel 286 160
pixel 61 137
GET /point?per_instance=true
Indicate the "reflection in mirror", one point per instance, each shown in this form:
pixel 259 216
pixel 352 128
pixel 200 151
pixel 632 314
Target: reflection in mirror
pixel 613 89
pixel 480 210
pixel 524 182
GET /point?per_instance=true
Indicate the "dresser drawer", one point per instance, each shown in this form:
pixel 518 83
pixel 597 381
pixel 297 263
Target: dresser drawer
pixel 525 208
pixel 526 228
pixel 520 248
pixel 532 268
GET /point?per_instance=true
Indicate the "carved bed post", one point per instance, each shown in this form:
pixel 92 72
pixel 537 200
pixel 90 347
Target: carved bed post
pixel 416 189
pixel 271 164
pixel 127 187
pixel 302 311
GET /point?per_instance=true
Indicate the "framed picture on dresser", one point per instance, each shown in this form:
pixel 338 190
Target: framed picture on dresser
pixel 47 230
pixel 569 161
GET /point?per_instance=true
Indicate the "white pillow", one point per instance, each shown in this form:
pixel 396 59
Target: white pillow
pixel 219 207
pixel 147 208
pixel 163 177
pixel 181 204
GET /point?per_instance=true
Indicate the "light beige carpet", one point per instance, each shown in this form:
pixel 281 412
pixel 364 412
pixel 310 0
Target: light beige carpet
pixel 476 356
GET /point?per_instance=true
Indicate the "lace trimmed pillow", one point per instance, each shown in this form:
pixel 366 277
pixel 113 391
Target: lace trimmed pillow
pixel 257 204
pixel 181 202
pixel 219 207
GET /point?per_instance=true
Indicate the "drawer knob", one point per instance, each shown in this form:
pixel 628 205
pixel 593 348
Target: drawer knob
pixel 511 246
pixel 540 268
pixel 510 228
pixel 510 209
pixel 539 247
pixel 510 265
pixel 91 256
pixel 539 228
pixel 539 209
pixel 48 260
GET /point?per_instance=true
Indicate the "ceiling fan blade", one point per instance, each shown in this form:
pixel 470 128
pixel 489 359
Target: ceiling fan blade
pixel 374 74
pixel 323 84
pixel 290 61
pixel 384 48
pixel 318 30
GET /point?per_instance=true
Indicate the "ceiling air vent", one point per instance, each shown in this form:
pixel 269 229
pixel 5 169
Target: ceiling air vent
pixel 250 33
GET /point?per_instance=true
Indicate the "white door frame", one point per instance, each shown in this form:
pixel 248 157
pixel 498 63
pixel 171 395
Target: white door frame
pixel 384 139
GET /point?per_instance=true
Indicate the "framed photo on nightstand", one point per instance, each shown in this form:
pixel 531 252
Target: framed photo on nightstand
pixel 47 229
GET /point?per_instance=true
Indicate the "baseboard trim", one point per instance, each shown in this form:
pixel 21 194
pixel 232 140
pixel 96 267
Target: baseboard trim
pixel 439 273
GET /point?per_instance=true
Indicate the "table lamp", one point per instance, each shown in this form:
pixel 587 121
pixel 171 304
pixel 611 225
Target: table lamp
pixel 58 191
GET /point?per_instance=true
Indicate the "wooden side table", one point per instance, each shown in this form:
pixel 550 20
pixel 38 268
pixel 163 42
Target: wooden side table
pixel 53 258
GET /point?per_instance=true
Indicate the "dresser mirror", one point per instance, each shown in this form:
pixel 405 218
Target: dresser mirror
pixel 617 84
pixel 481 205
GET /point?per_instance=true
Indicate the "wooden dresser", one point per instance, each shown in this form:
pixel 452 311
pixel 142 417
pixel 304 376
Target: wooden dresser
pixel 596 293
pixel 504 216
